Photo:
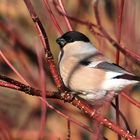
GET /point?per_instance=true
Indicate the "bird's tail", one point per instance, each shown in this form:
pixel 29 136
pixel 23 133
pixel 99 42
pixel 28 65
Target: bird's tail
pixel 128 77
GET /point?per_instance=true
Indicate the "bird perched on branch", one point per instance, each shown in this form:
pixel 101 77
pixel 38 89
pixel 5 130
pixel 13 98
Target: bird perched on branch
pixel 85 70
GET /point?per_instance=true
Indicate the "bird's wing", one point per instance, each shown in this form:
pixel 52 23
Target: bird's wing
pixel 98 61
pixel 111 67
pixel 101 63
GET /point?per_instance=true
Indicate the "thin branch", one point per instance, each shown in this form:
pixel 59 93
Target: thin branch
pixel 8 85
pixel 117 110
pixel 59 10
pixel 64 11
pixel 119 29
pixel 91 26
pixel 52 16
pixel 123 117
pixel 74 121
pixel 88 24
pixel 125 51
pixel 5 131
pixel 90 111
pixel 34 92
pixel 43 95
pixel 76 101
pixel 131 100
pixel 12 67
pixel 16 85
pixel 69 130
pixel 44 39
pixel 119 26
pixel 4 26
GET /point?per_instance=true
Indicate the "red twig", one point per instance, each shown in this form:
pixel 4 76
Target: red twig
pixel 59 10
pixel 89 25
pixel 117 111
pixel 121 48
pixel 44 39
pixel 65 17
pixel 71 119
pixel 119 27
pixel 76 101
pixel 5 132
pixel 52 16
pixel 79 103
pixel 12 67
pixel 35 92
pixel 8 85
pixel 69 131
pixel 43 94
pixel 13 84
pixel 129 53
pixel 120 17
pixel 131 100
pixel 123 117
pixel 88 109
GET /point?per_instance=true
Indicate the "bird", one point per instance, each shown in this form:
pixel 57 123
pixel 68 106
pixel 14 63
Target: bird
pixel 87 71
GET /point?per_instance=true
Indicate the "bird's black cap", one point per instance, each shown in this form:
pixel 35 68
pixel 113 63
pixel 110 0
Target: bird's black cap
pixel 70 37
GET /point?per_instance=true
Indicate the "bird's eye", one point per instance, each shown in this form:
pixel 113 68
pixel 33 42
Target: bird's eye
pixel 61 41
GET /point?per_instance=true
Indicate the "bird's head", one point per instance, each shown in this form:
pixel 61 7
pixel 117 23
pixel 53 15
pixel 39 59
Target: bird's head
pixel 70 37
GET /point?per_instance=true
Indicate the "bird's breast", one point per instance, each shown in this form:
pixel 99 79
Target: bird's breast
pixel 80 78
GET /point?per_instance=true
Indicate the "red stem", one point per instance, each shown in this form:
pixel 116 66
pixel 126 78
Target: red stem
pixel 131 100
pixel 129 53
pixel 119 29
pixel 8 85
pixel 65 17
pixel 52 16
pixel 76 101
pixel 121 48
pixel 43 94
pixel 69 130
pixel 12 67
pixel 44 39
pixel 71 119
pixel 79 103
pixel 88 109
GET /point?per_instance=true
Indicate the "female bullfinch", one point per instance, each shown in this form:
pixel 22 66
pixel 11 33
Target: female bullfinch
pixel 85 70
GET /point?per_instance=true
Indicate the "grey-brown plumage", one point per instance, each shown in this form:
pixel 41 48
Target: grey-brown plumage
pixel 85 70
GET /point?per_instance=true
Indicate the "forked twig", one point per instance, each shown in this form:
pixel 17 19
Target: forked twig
pixel 91 26
pixel 76 101
pixel 62 94
pixel 121 48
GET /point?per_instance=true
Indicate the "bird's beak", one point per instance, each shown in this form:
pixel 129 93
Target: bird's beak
pixel 61 41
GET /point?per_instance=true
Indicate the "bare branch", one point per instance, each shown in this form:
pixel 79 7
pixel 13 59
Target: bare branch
pixel 52 16
pixel 44 39
pixel 76 101
pixel 125 51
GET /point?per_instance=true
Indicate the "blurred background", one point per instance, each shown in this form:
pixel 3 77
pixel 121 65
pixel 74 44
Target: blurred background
pixel 20 114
